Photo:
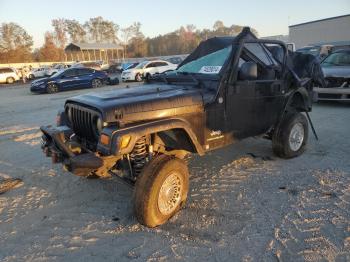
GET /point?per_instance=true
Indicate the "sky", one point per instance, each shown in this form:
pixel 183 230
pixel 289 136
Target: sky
pixel 269 17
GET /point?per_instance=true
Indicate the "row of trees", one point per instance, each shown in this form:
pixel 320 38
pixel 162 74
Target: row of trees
pixel 16 45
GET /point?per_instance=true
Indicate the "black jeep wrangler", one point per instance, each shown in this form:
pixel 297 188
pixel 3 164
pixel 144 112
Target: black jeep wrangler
pixel 228 89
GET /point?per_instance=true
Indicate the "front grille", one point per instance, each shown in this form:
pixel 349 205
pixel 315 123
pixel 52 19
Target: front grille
pixel 83 122
pixel 330 96
pixel 338 82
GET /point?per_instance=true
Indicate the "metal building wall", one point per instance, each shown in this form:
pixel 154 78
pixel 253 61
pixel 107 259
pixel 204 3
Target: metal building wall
pixel 326 30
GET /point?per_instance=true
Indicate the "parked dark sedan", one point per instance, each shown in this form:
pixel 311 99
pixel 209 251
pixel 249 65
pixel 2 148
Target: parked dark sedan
pixel 71 78
pixel 336 70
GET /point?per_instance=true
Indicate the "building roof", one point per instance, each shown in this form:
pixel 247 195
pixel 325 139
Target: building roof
pixel 92 46
pixel 320 20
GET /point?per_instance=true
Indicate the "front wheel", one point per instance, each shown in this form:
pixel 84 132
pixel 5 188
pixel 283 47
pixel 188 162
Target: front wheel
pixel 96 83
pixel 10 80
pixel 160 190
pixel 138 78
pixel 52 88
pixel 291 137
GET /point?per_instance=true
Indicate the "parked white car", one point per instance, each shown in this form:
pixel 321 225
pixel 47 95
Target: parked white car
pixel 8 75
pixel 37 72
pixel 56 68
pixel 146 69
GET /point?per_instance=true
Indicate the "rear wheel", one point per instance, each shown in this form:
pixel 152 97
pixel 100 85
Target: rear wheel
pixel 96 83
pixel 31 76
pixel 10 80
pixel 291 138
pixel 52 88
pixel 160 190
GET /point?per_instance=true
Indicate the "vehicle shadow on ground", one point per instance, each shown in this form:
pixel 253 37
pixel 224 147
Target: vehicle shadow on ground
pixel 67 212
pixel 64 216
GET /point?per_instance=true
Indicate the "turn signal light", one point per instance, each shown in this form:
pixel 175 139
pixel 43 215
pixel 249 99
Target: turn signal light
pixel 104 139
pixel 124 141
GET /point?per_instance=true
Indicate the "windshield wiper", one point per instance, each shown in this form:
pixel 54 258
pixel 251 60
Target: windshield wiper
pixel 195 80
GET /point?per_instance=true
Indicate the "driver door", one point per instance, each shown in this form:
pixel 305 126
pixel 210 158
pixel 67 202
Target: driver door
pixel 150 68
pixel 69 79
pixel 253 105
pixel 239 106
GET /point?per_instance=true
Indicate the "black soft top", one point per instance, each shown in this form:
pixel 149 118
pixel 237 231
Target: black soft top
pixel 216 43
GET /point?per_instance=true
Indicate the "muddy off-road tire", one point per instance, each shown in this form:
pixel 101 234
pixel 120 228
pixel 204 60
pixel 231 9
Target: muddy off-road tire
pixel 291 137
pixel 160 190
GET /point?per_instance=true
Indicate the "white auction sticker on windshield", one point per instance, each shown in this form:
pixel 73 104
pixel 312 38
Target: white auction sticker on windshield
pixel 210 69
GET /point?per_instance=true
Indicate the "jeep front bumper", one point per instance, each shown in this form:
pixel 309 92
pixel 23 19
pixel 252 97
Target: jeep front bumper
pixel 56 144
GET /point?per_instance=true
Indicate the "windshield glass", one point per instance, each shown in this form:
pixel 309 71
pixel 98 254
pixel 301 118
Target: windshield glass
pixel 132 66
pixel 310 50
pixel 141 65
pixel 337 59
pixel 57 74
pixel 209 64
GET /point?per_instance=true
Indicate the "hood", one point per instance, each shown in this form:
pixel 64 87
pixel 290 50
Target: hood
pixel 336 71
pixel 140 103
pixel 132 70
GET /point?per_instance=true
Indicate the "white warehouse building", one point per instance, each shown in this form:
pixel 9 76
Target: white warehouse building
pixel 329 30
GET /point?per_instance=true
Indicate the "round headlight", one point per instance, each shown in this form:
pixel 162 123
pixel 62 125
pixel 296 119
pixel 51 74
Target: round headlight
pixel 99 125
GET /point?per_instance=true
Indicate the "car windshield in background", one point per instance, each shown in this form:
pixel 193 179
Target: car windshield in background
pixel 141 65
pixel 131 66
pixel 310 50
pixel 57 74
pixel 337 59
pixel 209 64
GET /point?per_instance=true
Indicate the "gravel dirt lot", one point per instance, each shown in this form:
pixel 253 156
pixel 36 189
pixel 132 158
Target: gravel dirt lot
pixel 244 203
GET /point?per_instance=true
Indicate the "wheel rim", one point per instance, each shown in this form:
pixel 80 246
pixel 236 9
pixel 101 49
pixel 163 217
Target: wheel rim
pixel 296 137
pixel 96 83
pixel 53 88
pixel 138 78
pixel 10 80
pixel 169 196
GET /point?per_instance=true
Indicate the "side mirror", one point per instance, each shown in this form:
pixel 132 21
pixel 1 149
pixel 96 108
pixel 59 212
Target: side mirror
pixel 248 71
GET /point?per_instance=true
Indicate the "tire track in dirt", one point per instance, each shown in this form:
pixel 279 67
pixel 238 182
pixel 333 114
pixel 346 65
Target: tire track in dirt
pixel 319 227
pixel 218 208
pixel 217 211
pixel 22 134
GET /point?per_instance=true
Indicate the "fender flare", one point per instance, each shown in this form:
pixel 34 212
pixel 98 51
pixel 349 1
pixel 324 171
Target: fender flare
pixel 304 105
pixel 135 132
